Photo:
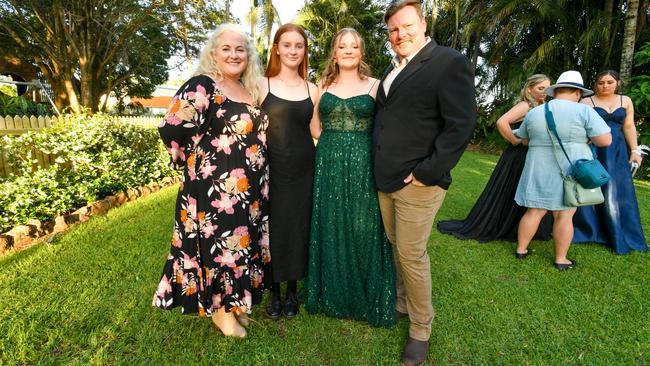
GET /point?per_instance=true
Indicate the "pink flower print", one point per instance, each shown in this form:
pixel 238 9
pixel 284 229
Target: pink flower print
pixel 196 139
pixel 216 301
pixel 262 137
pixel 207 169
pixel 176 151
pixel 238 272
pixel 163 287
pixel 241 230
pixel 201 100
pixel 225 204
pixel 188 225
pixel 248 299
pixel 176 240
pixel 228 259
pixel 222 143
pixel 208 230
pixel 220 112
pixel 191 206
pixel 180 110
pixel 265 190
pixel 190 262
pixel 238 173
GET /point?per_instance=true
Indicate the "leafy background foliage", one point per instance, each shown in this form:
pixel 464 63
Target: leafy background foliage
pixel 95 157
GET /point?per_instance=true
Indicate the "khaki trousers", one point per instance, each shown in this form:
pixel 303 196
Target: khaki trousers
pixel 408 218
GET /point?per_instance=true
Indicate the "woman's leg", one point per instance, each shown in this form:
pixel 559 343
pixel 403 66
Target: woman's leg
pixel 562 234
pixel 528 227
pixel 291 301
pixel 274 307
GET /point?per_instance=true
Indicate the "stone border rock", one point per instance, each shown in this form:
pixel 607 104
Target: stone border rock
pixel 24 236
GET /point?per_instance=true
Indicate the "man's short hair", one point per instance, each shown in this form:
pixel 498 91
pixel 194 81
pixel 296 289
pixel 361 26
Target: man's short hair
pixel 397 5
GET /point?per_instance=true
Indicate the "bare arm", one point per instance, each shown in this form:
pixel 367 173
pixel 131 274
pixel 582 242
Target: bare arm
pixel 514 115
pixel 602 140
pixel 629 130
pixel 314 125
pixel 263 88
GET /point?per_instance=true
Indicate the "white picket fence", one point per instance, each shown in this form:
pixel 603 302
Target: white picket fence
pixel 17 125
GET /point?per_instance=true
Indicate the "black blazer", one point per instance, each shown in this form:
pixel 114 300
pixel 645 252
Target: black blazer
pixel 426 121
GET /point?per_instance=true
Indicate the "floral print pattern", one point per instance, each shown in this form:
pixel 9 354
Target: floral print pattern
pixel 220 244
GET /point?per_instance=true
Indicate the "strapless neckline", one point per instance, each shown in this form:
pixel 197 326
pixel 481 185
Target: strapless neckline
pixel 352 97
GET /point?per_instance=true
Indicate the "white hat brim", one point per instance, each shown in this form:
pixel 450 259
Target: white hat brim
pixel 585 92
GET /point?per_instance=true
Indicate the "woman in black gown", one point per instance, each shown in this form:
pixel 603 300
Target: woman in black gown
pixel 495 215
pixel 288 99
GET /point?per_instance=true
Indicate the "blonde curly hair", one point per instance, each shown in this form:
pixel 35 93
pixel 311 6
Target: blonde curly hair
pixel 208 66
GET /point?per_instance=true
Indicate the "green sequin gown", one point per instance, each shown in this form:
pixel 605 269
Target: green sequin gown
pixel 350 272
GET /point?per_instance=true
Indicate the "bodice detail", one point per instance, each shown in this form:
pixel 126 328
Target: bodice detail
pixel 353 114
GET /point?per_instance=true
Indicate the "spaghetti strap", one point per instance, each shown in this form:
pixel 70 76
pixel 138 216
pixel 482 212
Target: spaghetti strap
pixel 268 83
pixel 372 86
pixel 621 100
pixel 592 101
pixel 308 94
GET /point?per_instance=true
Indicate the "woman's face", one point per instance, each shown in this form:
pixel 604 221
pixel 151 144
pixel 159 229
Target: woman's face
pixel 291 49
pixel 606 85
pixel 348 51
pixel 230 54
pixel 537 90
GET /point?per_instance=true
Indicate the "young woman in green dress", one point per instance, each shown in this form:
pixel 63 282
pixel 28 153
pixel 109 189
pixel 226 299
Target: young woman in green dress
pixel 350 270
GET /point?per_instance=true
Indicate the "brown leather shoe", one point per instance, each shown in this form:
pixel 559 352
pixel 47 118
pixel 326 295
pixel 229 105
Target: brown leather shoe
pixel 415 352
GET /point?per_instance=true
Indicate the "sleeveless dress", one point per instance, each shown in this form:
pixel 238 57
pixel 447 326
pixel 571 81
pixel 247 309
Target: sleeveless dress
pixel 291 162
pixel 350 272
pixel 615 222
pixel 219 244
pixel 496 215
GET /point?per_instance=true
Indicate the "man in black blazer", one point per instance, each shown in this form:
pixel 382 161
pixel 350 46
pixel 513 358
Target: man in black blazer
pixel 426 114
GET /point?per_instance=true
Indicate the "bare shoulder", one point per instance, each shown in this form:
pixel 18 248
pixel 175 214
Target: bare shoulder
pixel 627 101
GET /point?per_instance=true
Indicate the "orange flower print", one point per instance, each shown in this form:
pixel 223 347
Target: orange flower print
pixel 201 217
pixel 242 184
pixel 183 215
pixel 201 311
pixel 244 241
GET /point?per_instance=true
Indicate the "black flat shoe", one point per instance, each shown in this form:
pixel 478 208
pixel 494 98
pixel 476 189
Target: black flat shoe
pixel 565 266
pixel 523 255
pixel 274 307
pixel 290 308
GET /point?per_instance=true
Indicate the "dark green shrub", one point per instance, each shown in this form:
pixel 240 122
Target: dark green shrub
pixel 95 157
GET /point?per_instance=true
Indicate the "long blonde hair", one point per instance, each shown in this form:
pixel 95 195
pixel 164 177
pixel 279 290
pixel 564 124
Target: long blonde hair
pixel 208 66
pixel 525 95
pixel 332 69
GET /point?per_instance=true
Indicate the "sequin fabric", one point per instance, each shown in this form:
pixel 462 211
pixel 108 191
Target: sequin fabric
pixel 350 271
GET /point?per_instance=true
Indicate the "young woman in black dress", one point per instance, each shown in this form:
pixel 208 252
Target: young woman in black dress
pixel 495 215
pixel 289 100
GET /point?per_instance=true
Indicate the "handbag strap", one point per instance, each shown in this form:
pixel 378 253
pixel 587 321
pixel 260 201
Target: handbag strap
pixel 550 136
pixel 550 121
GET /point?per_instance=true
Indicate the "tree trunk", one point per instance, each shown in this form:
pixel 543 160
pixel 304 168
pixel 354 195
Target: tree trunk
pixel 629 37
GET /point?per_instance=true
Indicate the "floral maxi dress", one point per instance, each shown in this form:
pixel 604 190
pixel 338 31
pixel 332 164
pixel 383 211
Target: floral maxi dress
pixel 220 239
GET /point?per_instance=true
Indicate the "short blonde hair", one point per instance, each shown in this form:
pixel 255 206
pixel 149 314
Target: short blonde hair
pixel 208 66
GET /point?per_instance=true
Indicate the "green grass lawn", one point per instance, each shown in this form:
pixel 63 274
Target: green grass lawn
pixel 86 300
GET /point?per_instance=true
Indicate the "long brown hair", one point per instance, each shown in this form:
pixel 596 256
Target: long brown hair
pixel 332 69
pixel 274 65
pixel 604 73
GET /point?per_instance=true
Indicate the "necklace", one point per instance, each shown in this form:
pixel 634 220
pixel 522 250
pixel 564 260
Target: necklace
pixel 295 84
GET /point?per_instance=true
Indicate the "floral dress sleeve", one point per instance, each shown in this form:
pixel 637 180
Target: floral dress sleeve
pixel 186 120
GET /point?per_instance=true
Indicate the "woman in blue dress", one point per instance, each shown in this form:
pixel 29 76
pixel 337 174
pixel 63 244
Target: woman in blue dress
pixel 540 185
pixel 616 222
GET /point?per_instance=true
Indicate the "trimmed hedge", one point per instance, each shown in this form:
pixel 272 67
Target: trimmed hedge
pixel 95 157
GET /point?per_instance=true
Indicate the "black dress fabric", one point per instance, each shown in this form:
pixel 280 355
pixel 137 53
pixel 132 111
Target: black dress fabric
pixel 291 154
pixel 495 215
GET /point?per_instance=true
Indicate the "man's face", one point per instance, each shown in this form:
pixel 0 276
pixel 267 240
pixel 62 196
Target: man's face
pixel 406 31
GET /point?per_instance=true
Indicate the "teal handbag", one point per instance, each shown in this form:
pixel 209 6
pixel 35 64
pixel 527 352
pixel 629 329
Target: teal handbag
pixel 590 173
pixel 577 194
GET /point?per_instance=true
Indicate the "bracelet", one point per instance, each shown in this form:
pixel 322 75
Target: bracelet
pixel 641 150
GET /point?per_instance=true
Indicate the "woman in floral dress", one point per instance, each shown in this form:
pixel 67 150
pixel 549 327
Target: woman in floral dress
pixel 216 134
